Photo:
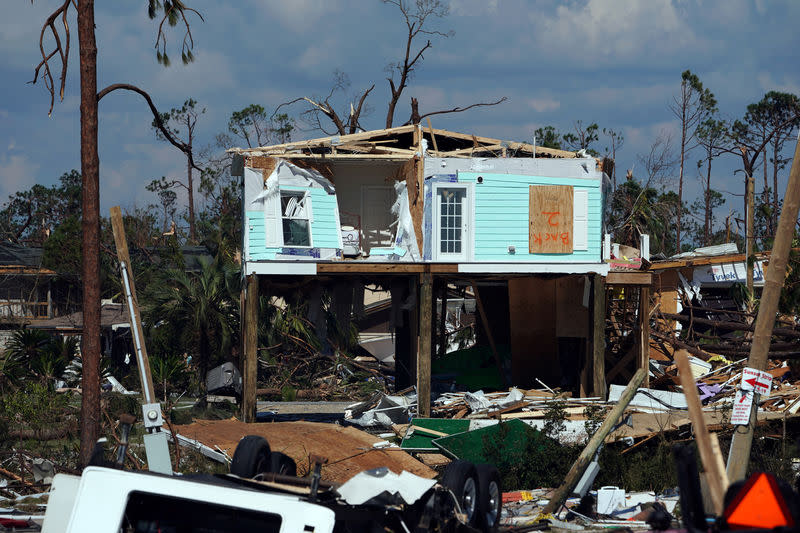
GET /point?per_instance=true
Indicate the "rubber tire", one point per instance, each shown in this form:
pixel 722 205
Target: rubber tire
pixel 462 479
pixel 490 497
pixel 252 457
pixel 280 463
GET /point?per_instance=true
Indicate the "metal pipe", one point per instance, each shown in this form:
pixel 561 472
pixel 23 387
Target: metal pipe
pixel 148 394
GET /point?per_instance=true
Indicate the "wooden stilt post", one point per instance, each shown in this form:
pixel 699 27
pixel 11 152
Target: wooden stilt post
pixel 425 345
pixel 250 350
pixel 644 333
pixel 599 335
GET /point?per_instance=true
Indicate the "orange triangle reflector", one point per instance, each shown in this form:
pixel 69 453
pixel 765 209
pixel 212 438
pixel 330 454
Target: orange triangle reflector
pixel 759 504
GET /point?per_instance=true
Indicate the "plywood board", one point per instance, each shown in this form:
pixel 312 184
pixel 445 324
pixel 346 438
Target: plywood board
pixel 572 318
pixel 550 219
pixel 532 322
pixel 348 450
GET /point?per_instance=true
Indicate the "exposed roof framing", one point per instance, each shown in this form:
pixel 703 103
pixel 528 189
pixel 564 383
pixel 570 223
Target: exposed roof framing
pixel 399 143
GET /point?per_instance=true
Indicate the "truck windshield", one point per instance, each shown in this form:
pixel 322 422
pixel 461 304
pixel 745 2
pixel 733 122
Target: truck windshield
pixel 156 513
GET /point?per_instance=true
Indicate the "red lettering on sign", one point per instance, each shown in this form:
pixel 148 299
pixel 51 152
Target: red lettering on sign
pixel 565 238
pixel 537 238
pixel 550 215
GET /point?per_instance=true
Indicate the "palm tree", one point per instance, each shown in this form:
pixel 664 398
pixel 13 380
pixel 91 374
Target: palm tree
pixel 637 209
pixel 27 345
pixel 203 307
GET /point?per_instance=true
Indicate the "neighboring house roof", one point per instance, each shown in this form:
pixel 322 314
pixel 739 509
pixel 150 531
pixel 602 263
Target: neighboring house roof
pixel 193 255
pixel 112 315
pixel 399 143
pixel 18 259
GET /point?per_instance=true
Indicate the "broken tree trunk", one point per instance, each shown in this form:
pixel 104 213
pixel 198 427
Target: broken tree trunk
pixel 250 350
pixel 731 326
pixel 579 466
pixel 739 456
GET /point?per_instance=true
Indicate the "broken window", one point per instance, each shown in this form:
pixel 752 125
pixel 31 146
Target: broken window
pixel 295 218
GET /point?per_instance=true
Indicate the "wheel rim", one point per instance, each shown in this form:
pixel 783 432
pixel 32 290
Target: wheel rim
pixel 493 507
pixel 262 464
pixel 468 499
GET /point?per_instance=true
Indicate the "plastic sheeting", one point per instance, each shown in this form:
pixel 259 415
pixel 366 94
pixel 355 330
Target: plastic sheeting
pixel 382 486
pixel 286 173
pixel 405 237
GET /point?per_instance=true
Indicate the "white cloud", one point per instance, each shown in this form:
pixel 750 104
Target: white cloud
pixel 473 8
pixel 768 82
pixel 612 31
pixel 17 172
pixel 298 15
pixel 543 105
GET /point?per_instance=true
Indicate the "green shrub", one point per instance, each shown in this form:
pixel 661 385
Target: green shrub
pixel 541 462
pixel 33 406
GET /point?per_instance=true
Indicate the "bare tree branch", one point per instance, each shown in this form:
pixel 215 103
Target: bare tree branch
pixel 159 123
pixel 61 49
pixel 355 115
pixel 415 22
pixel 455 110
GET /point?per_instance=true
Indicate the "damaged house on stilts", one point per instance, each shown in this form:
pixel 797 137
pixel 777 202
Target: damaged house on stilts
pixel 426 214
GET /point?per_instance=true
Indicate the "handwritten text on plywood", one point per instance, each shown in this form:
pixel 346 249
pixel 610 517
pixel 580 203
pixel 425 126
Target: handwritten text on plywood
pixel 550 219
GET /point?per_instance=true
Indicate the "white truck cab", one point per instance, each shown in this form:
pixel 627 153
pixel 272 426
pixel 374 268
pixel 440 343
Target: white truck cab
pixel 105 500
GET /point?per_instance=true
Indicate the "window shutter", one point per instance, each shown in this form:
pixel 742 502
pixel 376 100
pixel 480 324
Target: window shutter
pixel 273 228
pixel 580 219
pixel 309 211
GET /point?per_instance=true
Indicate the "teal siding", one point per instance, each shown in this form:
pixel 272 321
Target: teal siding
pixel 256 238
pixel 501 218
pixel 324 229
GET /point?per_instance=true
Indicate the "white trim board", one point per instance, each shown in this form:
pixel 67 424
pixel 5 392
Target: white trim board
pixel 296 268
pixel 534 268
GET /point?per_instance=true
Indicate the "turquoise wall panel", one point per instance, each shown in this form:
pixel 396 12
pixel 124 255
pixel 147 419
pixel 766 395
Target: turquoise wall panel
pixel 256 238
pixel 501 218
pixel 324 228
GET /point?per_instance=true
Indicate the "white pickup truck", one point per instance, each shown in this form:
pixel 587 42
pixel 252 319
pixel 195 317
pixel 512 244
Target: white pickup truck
pixel 109 500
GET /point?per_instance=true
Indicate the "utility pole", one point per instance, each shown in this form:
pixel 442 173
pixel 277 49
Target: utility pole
pixel 751 240
pixel 739 455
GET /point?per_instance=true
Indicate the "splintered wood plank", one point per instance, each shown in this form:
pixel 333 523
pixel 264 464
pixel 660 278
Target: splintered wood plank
pixel 550 219
pixel 711 464
pixel 348 450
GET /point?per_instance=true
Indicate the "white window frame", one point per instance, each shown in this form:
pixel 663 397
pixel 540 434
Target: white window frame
pixel 274 217
pixel 468 218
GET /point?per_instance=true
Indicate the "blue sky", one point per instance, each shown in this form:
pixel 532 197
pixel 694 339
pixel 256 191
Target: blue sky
pixel 614 62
